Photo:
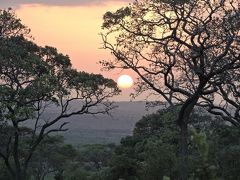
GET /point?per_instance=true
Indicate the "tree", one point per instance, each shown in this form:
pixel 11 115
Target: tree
pixel 51 157
pixel 92 163
pixel 96 156
pixel 225 151
pixel 34 81
pixel 185 52
pixel 152 152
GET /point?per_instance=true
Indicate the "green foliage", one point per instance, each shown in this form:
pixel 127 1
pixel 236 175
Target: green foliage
pixel 95 157
pixel 153 150
pixel 225 151
pixel 111 18
pixel 55 159
pixel 160 160
pixel 33 79
pixel 4 174
pixel 14 25
pixel 200 141
pixel 91 163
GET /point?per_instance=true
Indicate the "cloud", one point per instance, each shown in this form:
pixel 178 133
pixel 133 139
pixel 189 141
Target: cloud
pixel 17 3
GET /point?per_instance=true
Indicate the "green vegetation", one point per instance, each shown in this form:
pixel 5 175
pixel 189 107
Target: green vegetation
pixel 152 152
pixel 32 80
pixel 185 51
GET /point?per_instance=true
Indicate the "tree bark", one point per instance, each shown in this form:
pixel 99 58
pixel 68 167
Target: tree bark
pixel 184 151
pixel 183 120
pixel 18 172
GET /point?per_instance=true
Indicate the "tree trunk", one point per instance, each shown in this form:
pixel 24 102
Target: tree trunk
pixel 184 151
pixel 183 120
pixel 18 169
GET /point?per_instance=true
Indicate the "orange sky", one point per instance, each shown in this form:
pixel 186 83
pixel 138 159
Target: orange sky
pixel 73 30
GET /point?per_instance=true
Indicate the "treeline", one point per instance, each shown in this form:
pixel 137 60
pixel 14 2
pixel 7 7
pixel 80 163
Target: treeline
pixel 152 152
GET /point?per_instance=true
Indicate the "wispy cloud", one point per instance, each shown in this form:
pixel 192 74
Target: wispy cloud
pixel 17 3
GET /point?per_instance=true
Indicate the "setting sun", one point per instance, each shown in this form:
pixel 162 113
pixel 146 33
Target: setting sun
pixel 125 81
pixel 141 89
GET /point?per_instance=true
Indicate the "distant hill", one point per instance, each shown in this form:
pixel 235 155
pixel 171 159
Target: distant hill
pixel 89 129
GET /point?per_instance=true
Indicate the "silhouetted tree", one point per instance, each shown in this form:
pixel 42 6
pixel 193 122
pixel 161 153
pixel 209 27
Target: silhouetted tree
pixel 51 157
pixel 152 152
pixel 186 52
pixel 34 81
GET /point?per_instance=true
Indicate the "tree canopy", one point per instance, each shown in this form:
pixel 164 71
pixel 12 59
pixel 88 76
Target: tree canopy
pixel 34 81
pixel 180 49
pixel 184 52
pixel 152 152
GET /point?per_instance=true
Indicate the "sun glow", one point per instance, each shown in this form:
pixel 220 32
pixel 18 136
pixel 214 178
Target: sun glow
pixel 73 30
pixel 125 81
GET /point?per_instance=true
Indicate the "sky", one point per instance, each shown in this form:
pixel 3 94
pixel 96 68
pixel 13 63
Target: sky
pixel 73 27
pixel 16 3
